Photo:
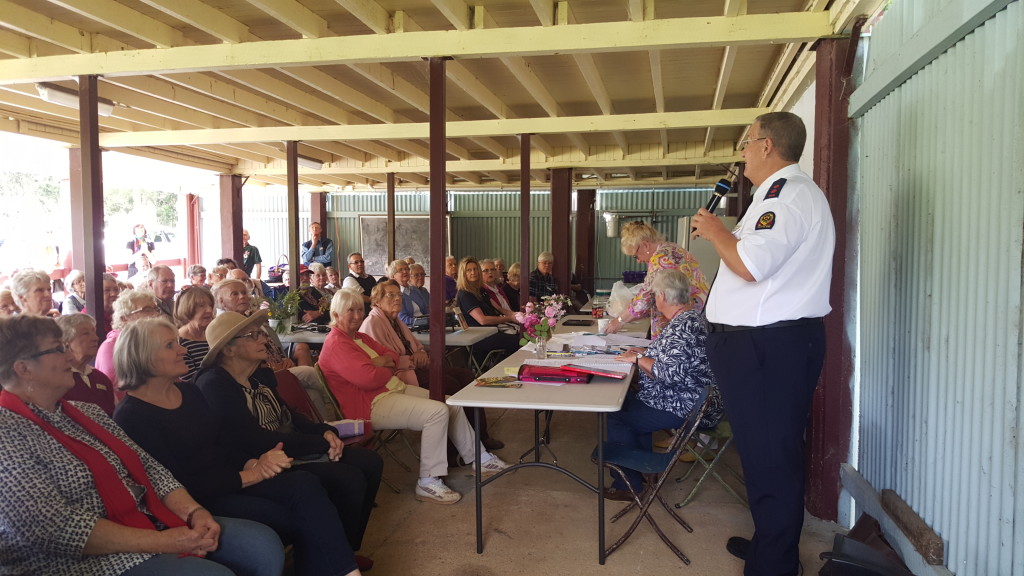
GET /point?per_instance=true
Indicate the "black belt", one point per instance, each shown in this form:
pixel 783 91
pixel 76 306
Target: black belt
pixel 712 327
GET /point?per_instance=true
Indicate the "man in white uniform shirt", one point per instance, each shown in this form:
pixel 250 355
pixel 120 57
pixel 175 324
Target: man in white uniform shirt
pixel 766 341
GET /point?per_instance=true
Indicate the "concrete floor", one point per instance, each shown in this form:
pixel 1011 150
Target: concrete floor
pixel 539 521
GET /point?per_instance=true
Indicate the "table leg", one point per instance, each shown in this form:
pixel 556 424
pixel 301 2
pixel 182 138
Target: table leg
pixel 601 424
pixel 476 476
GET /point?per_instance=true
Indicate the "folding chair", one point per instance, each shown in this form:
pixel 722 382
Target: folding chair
pixel 656 468
pixel 723 434
pixel 294 395
pixel 491 359
pixel 376 440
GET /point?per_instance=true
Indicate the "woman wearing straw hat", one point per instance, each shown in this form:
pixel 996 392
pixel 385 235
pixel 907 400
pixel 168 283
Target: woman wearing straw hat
pixel 242 393
pixel 170 420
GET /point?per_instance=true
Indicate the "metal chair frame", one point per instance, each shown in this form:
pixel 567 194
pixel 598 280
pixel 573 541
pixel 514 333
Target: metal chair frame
pixel 656 468
pixel 723 433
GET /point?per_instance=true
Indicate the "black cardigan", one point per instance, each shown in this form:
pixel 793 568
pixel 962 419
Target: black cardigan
pixel 228 403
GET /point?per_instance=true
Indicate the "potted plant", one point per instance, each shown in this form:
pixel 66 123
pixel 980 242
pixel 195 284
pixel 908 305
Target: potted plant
pixel 282 310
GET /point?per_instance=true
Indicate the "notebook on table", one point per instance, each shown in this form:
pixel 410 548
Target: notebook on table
pixel 549 374
pixel 594 370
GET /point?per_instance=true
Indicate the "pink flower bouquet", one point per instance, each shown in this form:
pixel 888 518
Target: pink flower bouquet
pixel 539 320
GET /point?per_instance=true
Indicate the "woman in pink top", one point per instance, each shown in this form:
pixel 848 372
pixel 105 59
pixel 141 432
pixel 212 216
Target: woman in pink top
pixel 413 368
pixel 131 305
pixel 361 374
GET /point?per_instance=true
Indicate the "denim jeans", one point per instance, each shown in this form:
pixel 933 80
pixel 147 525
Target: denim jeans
pixel 246 548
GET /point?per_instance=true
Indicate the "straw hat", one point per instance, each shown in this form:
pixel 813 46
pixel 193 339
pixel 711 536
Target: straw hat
pixel 225 327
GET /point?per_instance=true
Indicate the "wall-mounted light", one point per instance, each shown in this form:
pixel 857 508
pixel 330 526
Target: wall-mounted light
pixel 307 162
pixel 611 220
pixel 66 97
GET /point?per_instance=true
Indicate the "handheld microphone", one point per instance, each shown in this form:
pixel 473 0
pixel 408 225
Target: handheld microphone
pixel 721 189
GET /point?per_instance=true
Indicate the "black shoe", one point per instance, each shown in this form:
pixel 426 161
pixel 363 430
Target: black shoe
pixel 617 495
pixel 493 444
pixel 738 546
pixel 363 563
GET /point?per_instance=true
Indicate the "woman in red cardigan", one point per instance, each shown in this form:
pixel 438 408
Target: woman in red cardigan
pixel 360 373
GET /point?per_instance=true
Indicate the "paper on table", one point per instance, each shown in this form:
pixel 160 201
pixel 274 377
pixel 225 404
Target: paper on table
pixel 604 361
pixel 583 339
pixel 620 340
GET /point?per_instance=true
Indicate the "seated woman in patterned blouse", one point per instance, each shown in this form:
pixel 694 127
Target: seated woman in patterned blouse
pixel 82 498
pixel 672 372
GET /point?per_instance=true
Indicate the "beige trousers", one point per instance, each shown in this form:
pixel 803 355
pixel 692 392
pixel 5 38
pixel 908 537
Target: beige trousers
pixel 414 410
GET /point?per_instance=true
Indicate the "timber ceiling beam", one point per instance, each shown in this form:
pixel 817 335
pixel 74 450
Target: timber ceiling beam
pixel 414 46
pixel 537 169
pixel 465 129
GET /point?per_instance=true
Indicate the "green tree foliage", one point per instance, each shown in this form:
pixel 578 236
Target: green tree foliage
pixel 126 200
pixel 27 195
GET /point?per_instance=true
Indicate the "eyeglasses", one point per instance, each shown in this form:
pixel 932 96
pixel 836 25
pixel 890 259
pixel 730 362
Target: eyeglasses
pixel 636 254
pixel 146 309
pixel 392 294
pixel 743 143
pixel 356 262
pixel 58 349
pixel 253 335
pixel 486 270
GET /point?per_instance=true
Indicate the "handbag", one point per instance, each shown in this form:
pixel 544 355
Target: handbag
pixel 275 274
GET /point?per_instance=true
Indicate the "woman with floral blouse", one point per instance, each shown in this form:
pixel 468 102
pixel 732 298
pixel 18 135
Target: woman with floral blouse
pixel 643 242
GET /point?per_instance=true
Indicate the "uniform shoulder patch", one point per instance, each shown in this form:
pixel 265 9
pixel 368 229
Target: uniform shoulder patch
pixel 766 221
pixel 775 189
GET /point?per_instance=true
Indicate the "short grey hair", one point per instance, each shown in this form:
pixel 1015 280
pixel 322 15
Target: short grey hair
pixel 73 276
pixel 395 264
pixel 545 257
pixel 127 302
pixel 154 274
pixel 196 269
pixel 69 324
pixel 133 353
pixel 673 285
pixel 22 283
pixel 317 268
pixel 220 289
pixel 343 300
pixel 19 337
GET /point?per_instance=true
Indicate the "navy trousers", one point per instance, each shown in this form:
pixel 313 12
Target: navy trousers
pixel 767 378
pixel 633 426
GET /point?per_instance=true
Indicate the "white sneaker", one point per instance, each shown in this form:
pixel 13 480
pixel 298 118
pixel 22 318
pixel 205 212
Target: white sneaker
pixel 492 467
pixel 436 491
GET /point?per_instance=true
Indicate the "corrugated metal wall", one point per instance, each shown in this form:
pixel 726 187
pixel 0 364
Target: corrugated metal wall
pixel 941 203
pixel 483 224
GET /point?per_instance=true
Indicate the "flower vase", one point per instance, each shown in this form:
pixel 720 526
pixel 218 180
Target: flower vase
pixel 542 347
pixel 273 323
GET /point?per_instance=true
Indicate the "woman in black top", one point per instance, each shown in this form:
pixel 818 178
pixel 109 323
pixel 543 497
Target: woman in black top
pixel 170 420
pixel 242 393
pixel 478 311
